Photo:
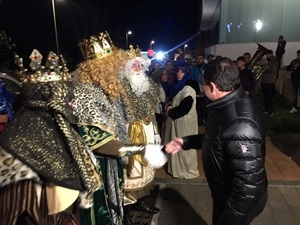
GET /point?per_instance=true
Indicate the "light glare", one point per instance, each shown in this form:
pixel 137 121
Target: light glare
pixel 258 25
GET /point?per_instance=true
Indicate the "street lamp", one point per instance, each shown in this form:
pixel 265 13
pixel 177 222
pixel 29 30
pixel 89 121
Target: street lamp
pixel 55 28
pixel 151 43
pixel 185 47
pixel 128 33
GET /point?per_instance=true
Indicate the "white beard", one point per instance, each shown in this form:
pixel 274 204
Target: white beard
pixel 138 82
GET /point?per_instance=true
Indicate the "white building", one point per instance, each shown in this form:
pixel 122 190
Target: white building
pixel 232 27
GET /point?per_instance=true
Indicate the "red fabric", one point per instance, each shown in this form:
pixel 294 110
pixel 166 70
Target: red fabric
pixel 2 126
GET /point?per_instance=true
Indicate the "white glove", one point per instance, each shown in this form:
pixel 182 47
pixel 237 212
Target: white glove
pixel 157 139
pixel 155 155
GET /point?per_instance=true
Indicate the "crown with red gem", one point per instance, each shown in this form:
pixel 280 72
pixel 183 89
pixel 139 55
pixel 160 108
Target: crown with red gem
pixel 52 71
pixel 97 46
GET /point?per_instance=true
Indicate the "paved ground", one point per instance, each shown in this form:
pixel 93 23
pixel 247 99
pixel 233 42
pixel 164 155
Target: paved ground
pixel 189 203
pixel 289 144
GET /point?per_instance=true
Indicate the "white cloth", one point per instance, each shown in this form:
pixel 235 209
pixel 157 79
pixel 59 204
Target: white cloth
pixel 155 156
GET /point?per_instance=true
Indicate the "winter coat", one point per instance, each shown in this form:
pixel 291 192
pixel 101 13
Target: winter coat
pixel 233 153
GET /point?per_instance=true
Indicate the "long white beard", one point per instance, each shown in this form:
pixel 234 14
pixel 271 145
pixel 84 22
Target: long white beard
pixel 138 82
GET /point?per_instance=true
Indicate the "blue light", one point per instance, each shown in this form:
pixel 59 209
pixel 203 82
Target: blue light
pixel 239 26
pixel 229 27
pixel 160 55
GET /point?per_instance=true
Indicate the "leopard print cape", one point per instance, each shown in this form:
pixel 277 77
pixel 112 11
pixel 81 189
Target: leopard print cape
pixel 42 137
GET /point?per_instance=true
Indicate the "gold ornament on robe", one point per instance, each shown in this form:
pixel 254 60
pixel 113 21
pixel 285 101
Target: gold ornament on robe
pixel 137 135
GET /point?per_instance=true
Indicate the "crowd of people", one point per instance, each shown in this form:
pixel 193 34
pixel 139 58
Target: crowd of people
pixel 84 149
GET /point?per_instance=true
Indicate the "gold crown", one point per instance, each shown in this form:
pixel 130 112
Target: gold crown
pixel 53 71
pixel 132 53
pixel 98 46
pixel 19 62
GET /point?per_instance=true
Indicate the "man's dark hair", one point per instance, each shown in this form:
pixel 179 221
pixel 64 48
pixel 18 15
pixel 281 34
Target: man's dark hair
pixel 241 58
pixel 223 73
pixel 298 52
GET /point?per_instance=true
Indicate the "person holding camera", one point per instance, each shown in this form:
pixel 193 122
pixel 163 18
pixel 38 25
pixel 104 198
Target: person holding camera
pixel 294 67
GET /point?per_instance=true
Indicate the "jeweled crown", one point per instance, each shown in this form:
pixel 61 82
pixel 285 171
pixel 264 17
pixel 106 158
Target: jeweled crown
pixel 55 68
pixel 97 46
pixel 133 52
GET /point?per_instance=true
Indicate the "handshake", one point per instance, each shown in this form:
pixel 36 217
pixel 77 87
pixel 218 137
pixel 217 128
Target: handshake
pixel 153 153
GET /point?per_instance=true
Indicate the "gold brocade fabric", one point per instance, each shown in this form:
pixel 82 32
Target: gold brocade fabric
pixel 138 173
pixel 143 105
pixel 137 136
pixel 94 137
pixel 41 136
pixel 93 108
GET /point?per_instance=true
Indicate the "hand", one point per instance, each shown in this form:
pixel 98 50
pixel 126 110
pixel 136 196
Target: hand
pixel 174 146
pixel 168 109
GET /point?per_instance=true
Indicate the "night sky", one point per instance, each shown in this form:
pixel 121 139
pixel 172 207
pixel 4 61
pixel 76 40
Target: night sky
pixel 30 23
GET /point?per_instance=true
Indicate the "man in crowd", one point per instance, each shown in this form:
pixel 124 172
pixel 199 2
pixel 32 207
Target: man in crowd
pixel 294 67
pixel 247 57
pixel 233 147
pixel 143 95
pixel 280 50
pixel 196 74
pixel 247 78
pixel 268 80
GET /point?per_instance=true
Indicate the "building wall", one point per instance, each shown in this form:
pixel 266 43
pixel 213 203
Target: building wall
pixel 238 21
pixel 234 50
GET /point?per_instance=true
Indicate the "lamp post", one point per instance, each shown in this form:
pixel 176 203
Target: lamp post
pixel 127 33
pixel 151 43
pixel 55 28
pixel 185 47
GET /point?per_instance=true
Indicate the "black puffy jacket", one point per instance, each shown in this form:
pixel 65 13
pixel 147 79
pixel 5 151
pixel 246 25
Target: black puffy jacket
pixel 233 153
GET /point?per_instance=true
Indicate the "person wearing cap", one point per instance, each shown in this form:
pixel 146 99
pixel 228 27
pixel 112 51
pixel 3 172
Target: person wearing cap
pixel 182 120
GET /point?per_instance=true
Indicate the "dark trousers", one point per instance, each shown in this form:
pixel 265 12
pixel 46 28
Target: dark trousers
pixel 295 93
pixel 201 104
pixel 268 91
pixel 218 209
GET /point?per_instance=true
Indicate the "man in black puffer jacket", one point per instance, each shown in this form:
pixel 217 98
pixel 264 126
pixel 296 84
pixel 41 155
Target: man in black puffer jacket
pixel 233 147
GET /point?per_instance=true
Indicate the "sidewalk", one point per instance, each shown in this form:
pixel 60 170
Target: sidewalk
pixel 188 202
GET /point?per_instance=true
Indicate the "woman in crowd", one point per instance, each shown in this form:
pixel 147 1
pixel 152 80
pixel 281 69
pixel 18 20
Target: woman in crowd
pixel 161 78
pixel 182 121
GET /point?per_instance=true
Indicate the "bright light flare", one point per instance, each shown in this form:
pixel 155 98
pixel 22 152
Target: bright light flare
pixel 160 55
pixel 258 25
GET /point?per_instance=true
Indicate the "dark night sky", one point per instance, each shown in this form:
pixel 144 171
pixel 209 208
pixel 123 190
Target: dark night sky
pixel 30 23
